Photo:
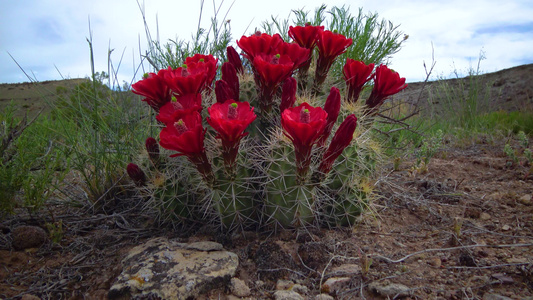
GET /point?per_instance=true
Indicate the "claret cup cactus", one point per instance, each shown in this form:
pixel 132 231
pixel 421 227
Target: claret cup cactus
pixel 262 146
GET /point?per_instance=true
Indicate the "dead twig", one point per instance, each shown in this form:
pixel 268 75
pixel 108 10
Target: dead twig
pixel 388 260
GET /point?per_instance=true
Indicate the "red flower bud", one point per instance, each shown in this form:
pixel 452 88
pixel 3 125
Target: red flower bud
pixel 136 174
pixel 235 59
pixel 223 91
pixel 229 75
pixel 332 107
pixel 288 94
pixel 152 147
pixel 342 138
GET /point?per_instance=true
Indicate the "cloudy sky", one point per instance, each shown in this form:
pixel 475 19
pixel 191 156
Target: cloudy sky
pixel 48 38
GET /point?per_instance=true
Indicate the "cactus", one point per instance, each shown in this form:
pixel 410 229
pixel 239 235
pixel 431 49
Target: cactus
pixel 297 167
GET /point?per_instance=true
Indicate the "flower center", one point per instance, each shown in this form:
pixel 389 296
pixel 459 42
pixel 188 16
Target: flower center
pixel 305 116
pixel 175 103
pixel 232 111
pixel 180 127
pixel 184 71
pixel 275 59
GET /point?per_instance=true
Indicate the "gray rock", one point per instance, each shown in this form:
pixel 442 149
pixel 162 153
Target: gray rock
pixel 174 270
pixel 239 288
pixel 287 295
pixel 324 297
pixel 25 237
pixel 389 290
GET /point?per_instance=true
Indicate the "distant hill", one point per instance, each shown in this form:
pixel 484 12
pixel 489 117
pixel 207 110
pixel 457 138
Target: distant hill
pixel 32 97
pixel 509 89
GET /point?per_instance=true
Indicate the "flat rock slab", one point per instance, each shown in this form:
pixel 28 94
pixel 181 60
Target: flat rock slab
pixel 171 270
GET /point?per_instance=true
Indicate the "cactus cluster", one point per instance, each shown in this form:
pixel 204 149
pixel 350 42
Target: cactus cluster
pixel 269 150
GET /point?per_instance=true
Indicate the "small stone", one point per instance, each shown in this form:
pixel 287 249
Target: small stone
pixel 324 297
pixel 484 216
pixel 25 237
pixel 287 295
pixel 503 278
pixel 282 285
pixel 436 262
pixel 506 227
pixel 389 290
pixel 495 297
pixel 346 270
pixel 300 289
pixel 335 284
pixel 526 200
pixel 239 288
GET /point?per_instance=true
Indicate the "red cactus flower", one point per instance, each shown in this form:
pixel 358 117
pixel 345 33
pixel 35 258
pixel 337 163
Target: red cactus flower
pixel 152 147
pixel 356 74
pixel 186 80
pixel 303 125
pixel 259 43
pixel 235 59
pixel 305 36
pixel 179 106
pixel 155 90
pixel 298 55
pixel 342 138
pixel 271 70
pixel 136 174
pixel 386 83
pixel 230 119
pixel 330 45
pixel 288 94
pixel 332 107
pixel 207 62
pixel 187 137
pixel 229 75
